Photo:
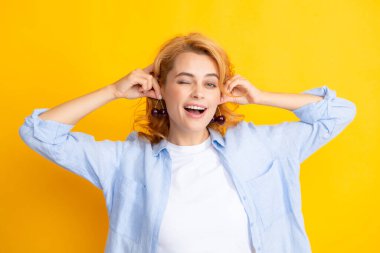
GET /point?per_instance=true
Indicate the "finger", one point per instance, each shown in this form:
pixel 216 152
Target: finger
pixel 225 99
pixel 228 83
pixel 157 89
pixel 232 84
pixel 148 69
pixel 152 88
pixel 149 83
pixel 239 82
pixel 151 94
pixel 149 79
pixel 142 82
pixel 146 84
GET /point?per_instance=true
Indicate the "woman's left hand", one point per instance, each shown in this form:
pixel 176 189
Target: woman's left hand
pixel 239 86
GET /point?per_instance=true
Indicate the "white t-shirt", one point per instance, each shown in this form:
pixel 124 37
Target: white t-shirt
pixel 204 213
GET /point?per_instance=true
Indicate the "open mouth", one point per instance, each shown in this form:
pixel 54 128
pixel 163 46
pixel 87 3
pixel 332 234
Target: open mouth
pixel 195 110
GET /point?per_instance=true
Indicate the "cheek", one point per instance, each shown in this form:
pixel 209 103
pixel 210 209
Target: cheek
pixel 174 98
pixel 177 96
pixel 217 98
pixel 177 93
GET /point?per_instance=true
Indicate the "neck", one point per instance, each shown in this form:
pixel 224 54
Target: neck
pixel 186 138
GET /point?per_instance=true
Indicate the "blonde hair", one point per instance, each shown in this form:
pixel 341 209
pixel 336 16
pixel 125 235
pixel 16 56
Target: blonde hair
pixel 155 129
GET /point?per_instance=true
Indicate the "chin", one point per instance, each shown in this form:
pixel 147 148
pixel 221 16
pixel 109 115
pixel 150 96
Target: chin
pixel 197 127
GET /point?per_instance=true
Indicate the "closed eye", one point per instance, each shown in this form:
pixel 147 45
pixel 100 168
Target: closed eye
pixel 181 82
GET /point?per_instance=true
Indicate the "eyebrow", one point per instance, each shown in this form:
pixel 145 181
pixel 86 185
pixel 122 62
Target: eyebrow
pixel 191 75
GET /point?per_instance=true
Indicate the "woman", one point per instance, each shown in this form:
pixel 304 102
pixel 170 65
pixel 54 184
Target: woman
pixel 198 178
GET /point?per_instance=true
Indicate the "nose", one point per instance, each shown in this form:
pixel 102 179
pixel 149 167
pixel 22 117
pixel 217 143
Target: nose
pixel 198 91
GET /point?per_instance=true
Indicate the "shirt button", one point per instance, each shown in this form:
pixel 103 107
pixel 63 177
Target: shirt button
pixel 244 198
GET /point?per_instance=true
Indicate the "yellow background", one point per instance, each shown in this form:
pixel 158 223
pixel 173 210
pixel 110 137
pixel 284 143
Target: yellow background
pixel 55 51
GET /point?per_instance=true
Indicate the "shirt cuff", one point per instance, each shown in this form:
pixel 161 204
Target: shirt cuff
pixel 315 111
pixel 48 131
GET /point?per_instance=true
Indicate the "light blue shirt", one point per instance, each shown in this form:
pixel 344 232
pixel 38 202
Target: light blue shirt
pixel 262 160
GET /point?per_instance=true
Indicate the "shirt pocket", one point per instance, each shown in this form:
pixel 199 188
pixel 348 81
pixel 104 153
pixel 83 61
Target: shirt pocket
pixel 270 195
pixel 128 208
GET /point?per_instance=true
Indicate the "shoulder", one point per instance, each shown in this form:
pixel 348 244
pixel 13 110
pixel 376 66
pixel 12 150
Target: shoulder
pixel 245 134
pixel 248 134
pixel 251 129
pixel 135 143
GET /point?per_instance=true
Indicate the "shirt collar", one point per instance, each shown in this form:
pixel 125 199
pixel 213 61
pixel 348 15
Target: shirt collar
pixel 216 139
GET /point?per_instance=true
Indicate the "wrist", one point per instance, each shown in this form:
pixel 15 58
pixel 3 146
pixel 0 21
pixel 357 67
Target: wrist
pixel 113 92
pixel 258 97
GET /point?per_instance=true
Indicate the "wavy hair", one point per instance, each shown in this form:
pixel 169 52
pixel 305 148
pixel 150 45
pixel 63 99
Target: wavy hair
pixel 155 129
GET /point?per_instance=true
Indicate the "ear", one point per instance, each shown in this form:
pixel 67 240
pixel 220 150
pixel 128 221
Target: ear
pixel 162 91
pixel 222 100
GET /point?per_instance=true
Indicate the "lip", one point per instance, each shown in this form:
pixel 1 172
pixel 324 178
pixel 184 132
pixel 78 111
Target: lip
pixel 199 105
pixel 195 116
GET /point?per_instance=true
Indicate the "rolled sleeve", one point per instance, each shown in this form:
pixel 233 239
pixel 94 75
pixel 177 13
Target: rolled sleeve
pixel 315 111
pixel 48 131
pixel 324 108
pixel 78 152
pixel 319 123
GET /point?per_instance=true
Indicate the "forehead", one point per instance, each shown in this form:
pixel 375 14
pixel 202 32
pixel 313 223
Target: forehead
pixel 196 64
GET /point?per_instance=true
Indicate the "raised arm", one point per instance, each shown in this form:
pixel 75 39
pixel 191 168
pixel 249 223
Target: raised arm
pixel 48 131
pixel 288 101
pixel 138 83
pixel 322 116
pixel 240 90
pixel 74 110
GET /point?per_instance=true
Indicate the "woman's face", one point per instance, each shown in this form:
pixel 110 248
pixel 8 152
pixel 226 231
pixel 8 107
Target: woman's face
pixel 193 80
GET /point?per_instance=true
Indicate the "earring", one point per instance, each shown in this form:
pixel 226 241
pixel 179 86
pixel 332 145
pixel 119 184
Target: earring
pixel 219 119
pixel 159 113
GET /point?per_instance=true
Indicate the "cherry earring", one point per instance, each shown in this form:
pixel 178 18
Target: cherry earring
pixel 159 113
pixel 219 119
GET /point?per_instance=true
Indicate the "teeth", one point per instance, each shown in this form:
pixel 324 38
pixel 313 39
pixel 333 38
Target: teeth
pixel 195 107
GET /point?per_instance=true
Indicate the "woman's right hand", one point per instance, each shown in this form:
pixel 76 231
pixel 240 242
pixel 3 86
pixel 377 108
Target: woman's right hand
pixel 138 83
